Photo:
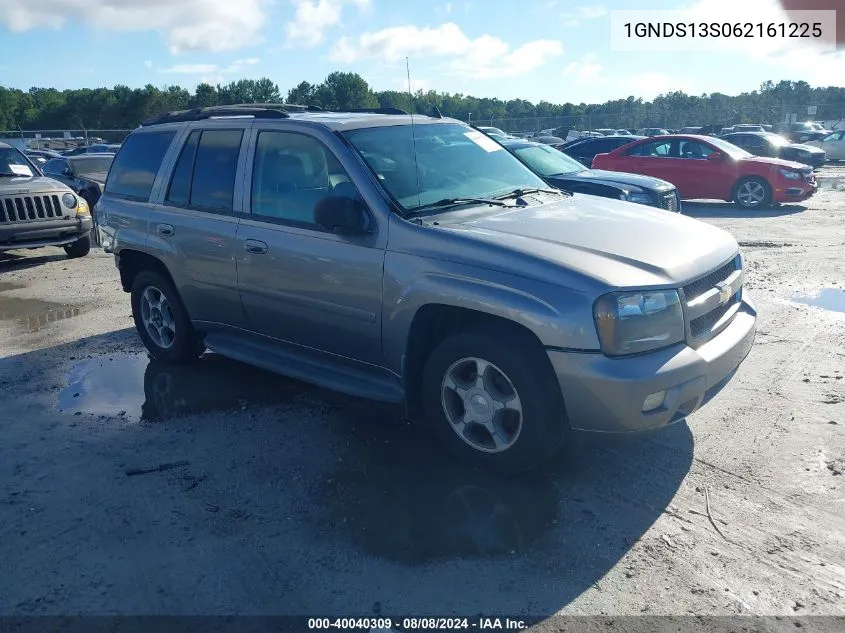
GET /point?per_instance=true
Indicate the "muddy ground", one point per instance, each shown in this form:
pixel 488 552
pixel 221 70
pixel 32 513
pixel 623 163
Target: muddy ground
pixel 294 500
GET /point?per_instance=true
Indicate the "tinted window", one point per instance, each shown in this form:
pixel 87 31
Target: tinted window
pixel 694 150
pixel 55 167
pixel 292 173
pixel 135 166
pixel 91 165
pixel 213 186
pixel 179 191
pixel 655 148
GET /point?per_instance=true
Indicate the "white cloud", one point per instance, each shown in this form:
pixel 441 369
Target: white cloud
pixel 584 70
pixel 241 64
pixel 189 69
pixel 186 25
pixel 313 17
pixel 212 80
pixel 416 84
pixel 484 56
pixel 650 84
pixel 584 12
pixel 148 63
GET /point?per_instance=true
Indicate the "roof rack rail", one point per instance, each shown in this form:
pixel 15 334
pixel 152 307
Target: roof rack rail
pixel 370 110
pixel 263 111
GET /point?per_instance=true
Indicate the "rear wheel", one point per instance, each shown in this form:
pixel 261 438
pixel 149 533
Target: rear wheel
pixel 161 320
pixel 753 193
pixel 79 248
pixel 492 399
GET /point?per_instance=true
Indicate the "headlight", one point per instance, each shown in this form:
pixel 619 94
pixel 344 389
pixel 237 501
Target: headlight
pixel 790 175
pixel 637 197
pixel 634 322
pixel 83 208
pixel 69 200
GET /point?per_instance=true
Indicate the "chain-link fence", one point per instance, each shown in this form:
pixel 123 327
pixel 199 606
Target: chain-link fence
pixel 61 140
pixel 832 115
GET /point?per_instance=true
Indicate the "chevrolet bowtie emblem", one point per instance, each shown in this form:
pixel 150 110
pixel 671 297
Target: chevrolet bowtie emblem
pixel 725 293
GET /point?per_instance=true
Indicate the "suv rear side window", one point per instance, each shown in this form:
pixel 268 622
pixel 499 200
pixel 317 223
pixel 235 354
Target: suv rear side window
pixel 135 167
pixel 204 176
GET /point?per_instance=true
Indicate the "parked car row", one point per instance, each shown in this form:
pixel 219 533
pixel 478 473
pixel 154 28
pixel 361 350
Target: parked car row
pixel 704 167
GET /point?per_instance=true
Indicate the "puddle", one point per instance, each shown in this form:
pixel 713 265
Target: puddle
pixel 136 388
pixel 32 314
pixel 407 501
pixel 832 299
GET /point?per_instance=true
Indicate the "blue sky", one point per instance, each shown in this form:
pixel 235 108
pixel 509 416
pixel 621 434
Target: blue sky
pixel 553 50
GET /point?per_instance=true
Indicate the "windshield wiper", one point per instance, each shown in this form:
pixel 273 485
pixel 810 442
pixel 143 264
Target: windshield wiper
pixel 452 202
pixel 517 193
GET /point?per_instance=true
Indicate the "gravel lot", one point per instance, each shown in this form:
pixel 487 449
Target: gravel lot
pixel 295 500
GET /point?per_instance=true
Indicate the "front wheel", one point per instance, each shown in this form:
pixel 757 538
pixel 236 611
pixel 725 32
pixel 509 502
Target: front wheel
pixel 491 398
pixel 161 320
pixel 79 248
pixel 753 193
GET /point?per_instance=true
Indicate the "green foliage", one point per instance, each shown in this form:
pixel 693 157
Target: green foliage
pixel 122 107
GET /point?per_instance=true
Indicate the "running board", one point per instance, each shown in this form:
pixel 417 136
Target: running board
pixel 301 366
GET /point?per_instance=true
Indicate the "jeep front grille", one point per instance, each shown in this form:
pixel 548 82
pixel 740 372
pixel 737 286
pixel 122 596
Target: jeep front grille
pixel 711 301
pixel 29 208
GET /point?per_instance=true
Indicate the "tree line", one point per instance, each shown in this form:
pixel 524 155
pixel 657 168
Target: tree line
pixel 122 107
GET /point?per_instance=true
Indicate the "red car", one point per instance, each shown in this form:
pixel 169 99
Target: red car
pixel 703 167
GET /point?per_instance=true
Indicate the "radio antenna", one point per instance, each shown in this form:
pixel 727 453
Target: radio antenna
pixel 413 131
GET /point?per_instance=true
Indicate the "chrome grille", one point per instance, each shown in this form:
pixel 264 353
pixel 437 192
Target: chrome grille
pixel 706 313
pixel 29 208
pixel 668 200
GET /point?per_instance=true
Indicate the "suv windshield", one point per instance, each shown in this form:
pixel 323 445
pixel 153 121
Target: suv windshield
pixel 14 163
pixel 453 161
pixel 547 161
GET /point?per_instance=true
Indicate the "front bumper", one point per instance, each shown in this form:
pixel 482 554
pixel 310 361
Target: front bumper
pixel 795 191
pixel 606 394
pixel 43 233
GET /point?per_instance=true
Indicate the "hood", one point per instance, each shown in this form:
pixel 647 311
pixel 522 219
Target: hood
pixel 619 244
pixel 780 162
pixel 803 147
pixel 617 178
pixel 99 178
pixel 38 184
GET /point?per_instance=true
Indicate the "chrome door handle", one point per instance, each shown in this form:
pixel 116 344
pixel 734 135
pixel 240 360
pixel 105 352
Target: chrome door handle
pixel 165 230
pixel 256 247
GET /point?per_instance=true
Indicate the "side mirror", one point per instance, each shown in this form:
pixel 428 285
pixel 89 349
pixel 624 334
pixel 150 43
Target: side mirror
pixel 67 172
pixel 341 215
pixel 714 156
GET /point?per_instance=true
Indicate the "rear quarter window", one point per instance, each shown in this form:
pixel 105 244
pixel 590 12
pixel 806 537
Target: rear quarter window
pixel 135 167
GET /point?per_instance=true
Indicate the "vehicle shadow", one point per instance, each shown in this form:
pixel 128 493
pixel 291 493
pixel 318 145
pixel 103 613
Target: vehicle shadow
pixel 372 493
pixel 701 209
pixel 13 261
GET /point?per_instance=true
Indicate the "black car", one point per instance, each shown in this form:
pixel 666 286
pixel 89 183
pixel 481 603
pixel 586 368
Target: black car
pixel 41 156
pixel 776 146
pixel 564 172
pixel 85 173
pixel 802 131
pixel 584 149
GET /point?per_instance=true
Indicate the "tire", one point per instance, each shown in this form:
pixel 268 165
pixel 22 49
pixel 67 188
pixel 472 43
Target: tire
pixel 79 248
pixel 529 429
pixel 747 194
pixel 170 336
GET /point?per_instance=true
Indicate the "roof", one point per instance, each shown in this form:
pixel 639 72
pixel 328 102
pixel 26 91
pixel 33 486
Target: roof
pixel 335 120
pixel 89 155
pixel 5 145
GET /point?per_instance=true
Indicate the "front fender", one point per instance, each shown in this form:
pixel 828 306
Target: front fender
pixel 559 317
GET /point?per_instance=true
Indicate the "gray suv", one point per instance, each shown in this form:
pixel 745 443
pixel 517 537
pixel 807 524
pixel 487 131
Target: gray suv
pixel 416 261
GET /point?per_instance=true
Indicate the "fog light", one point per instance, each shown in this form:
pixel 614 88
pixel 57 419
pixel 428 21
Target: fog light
pixel 654 401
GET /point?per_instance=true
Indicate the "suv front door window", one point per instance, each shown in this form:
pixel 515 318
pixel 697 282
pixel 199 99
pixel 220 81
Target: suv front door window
pixel 337 310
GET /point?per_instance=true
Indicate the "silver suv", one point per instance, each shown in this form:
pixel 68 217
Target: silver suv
pixel 414 260
pixel 36 211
